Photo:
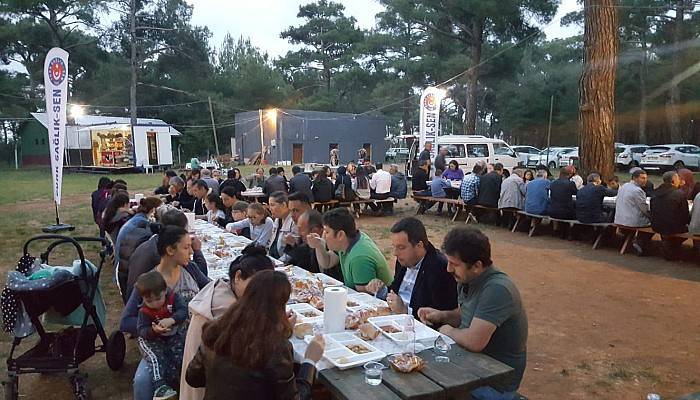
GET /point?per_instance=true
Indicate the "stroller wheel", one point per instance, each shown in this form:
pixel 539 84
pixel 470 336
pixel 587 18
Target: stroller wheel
pixel 11 386
pixel 115 350
pixel 81 391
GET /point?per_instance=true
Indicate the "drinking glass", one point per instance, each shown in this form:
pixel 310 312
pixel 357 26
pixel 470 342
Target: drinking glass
pixel 441 349
pixel 373 373
pixel 409 331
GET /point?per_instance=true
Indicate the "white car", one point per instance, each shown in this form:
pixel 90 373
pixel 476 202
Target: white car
pixel 552 161
pixel 567 157
pixel 629 155
pixel 396 153
pixel 524 152
pixel 468 149
pixel 669 156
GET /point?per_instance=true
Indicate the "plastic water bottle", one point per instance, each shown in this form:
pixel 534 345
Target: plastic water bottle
pixel 653 396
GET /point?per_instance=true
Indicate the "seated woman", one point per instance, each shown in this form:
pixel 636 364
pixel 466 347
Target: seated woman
pixel 259 224
pixel 212 302
pixel 182 276
pixel 236 361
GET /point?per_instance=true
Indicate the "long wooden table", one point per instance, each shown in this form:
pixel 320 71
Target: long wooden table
pixel 465 372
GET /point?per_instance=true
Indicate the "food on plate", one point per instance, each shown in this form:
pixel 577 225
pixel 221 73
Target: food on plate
pixel 358 348
pixel 352 303
pixel 390 329
pixel 368 332
pixel 302 330
pixel 222 253
pixel 309 314
pixel 303 289
pixel 383 311
pixel 342 360
pixel 316 301
pixel 406 362
pixel 357 318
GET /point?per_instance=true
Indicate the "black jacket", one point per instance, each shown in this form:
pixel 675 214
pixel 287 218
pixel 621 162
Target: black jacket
pixel 301 183
pixel 322 190
pixel 669 210
pixel 434 286
pixel 561 204
pixel 419 180
pixel 346 180
pixel 589 203
pixel 275 183
pixel 490 189
pixel 305 257
pixel 235 183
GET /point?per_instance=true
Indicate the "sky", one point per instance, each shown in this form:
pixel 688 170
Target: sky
pixel 263 20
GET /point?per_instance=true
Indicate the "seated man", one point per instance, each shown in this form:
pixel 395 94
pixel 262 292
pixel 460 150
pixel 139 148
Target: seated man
pixel 561 202
pixel 274 183
pixel 490 317
pixel 310 224
pixel 469 189
pixel 380 185
pixel 490 187
pixel 438 188
pixel 178 196
pixel 200 189
pixel 589 201
pixel 399 186
pixel 631 209
pixel 419 182
pixel 420 276
pixel 359 257
pixel 164 187
pixel 537 194
pixel 669 214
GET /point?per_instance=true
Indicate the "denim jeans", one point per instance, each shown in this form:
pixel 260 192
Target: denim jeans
pixel 489 393
pixel 143 385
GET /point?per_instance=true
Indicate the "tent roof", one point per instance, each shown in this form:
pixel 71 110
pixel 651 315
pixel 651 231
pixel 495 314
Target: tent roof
pixel 107 122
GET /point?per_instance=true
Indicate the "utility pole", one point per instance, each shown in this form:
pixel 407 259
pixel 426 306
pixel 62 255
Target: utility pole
pixel 262 137
pixel 134 77
pixel 213 128
pixel 549 128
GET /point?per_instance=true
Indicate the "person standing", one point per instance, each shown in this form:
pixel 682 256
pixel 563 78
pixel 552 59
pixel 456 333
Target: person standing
pixel 300 182
pixel 669 214
pixel 440 162
pixel 420 278
pixel 490 317
pixel 99 198
pixel 425 154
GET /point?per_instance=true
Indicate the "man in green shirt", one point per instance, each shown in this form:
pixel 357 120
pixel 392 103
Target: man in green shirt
pixel 359 257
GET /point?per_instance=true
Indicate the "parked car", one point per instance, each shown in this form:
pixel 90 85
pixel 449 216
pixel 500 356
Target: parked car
pixel 396 154
pixel 568 157
pixel 468 149
pixel 669 156
pixel 524 152
pixel 629 155
pixel 552 161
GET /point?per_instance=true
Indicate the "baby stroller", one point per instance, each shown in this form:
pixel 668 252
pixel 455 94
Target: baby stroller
pixel 66 293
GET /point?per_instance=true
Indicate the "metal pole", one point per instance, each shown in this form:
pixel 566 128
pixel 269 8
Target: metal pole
pixel 549 128
pixel 213 128
pixel 132 89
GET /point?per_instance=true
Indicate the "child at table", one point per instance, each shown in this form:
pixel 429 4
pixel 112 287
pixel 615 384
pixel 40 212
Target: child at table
pixel 161 331
pixel 216 209
pixel 239 212
pixel 260 225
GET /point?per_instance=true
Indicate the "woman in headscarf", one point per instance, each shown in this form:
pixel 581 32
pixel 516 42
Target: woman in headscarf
pixel 689 187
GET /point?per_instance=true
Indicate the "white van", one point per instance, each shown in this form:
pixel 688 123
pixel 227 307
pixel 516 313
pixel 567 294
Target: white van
pixel 468 149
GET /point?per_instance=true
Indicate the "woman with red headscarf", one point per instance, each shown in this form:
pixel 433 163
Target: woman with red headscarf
pixel 689 187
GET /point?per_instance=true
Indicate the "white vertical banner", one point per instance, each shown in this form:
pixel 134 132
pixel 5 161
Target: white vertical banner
pixel 430 118
pixel 56 93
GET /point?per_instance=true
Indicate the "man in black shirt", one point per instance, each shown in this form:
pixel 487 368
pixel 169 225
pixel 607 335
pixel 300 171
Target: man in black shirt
pixel 425 154
pixel 165 184
pixel 440 162
pixel 419 182
pixel 589 201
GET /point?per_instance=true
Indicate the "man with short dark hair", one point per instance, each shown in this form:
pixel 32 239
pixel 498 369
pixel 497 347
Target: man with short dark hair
pixel 274 183
pixel 421 176
pixel 420 275
pixel 425 154
pixel 561 202
pixel 178 196
pixel 537 194
pixel 310 222
pixel 669 214
pixel 360 259
pixel 469 188
pixel 490 187
pixel 200 189
pixel 490 317
pixel 300 182
pixel 165 184
pixel 380 185
pixel 589 201
pixel 212 183
pixel 440 162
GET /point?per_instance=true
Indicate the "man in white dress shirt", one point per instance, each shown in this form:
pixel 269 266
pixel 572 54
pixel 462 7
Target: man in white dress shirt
pixel 380 185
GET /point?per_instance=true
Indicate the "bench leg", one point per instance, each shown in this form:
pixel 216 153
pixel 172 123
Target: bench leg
pixel 533 225
pixel 599 237
pixel 458 208
pixel 628 239
pixel 517 223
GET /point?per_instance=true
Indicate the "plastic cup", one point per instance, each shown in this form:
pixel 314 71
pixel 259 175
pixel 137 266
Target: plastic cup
pixel 373 373
pixel 138 197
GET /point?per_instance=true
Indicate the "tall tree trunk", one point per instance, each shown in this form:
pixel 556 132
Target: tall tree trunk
pixel 473 76
pixel 133 112
pixel 406 118
pixel 642 137
pixel 597 87
pixel 674 96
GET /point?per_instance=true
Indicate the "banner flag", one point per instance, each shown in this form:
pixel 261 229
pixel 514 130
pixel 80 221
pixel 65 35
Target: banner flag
pixel 430 118
pixel 56 92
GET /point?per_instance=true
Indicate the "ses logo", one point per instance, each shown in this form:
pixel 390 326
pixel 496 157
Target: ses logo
pixel 57 71
pixel 430 102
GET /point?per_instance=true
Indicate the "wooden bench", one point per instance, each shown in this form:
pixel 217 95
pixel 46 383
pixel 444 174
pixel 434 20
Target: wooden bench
pixel 536 220
pixel 445 200
pixel 357 210
pixel 472 217
pixel 630 232
pixel 325 206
